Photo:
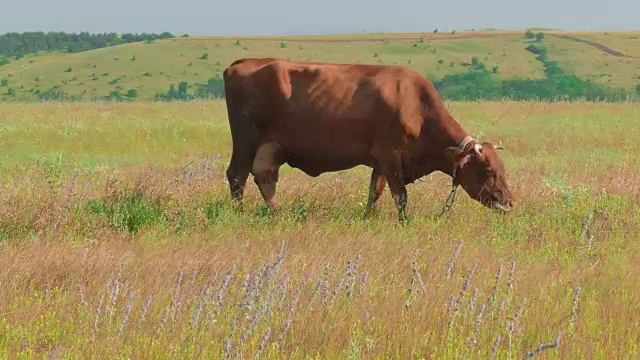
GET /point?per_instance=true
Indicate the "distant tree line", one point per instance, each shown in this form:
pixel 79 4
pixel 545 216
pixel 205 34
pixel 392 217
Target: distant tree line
pixel 20 44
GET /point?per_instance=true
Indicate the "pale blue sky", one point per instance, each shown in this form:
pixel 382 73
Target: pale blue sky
pixel 284 17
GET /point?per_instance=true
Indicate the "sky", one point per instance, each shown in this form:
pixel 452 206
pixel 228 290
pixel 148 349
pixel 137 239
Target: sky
pixel 290 17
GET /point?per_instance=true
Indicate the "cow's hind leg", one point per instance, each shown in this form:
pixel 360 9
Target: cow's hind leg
pixel 265 169
pixel 376 187
pixel 238 172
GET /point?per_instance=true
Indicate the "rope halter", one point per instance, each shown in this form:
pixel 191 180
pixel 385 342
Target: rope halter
pixel 448 204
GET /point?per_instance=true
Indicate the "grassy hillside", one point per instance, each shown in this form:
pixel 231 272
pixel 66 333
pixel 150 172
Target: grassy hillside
pixel 118 240
pixel 152 68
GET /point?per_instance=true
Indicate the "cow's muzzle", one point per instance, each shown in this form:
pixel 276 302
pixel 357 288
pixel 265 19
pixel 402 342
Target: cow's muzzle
pixel 504 207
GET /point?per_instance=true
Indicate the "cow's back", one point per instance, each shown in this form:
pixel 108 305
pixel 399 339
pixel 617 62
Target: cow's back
pixel 327 116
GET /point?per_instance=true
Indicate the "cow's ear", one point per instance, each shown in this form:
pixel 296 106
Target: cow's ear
pixel 456 156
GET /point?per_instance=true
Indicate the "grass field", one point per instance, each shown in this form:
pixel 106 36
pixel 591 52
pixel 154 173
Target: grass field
pixel 152 68
pixel 118 239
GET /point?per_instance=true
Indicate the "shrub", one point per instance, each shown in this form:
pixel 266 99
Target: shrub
pixel 4 82
pixel 216 210
pixel 533 49
pixel 134 213
pixel 212 89
pixel 182 89
pixel 132 93
pixel 539 36
pixel 204 56
pixel 69 69
pixel 175 94
pixel 115 95
pixel 129 213
pixel 52 94
pixel 283 45
pixel 529 34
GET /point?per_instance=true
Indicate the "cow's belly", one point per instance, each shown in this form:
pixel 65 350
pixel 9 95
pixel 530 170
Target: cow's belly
pixel 323 144
pixel 315 159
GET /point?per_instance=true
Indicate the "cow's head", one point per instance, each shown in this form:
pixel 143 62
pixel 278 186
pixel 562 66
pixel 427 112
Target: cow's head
pixel 481 174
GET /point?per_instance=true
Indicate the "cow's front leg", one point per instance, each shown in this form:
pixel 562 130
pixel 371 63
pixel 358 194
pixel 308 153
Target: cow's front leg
pixel 399 195
pixel 392 171
pixel 266 165
pixel 376 187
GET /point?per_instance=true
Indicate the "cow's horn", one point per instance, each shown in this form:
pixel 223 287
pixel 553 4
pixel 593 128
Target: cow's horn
pixel 499 146
pixel 477 148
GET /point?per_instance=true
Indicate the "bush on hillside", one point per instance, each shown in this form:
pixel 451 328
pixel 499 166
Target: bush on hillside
pixel 53 94
pixel 214 88
pixel 181 93
pixel 533 49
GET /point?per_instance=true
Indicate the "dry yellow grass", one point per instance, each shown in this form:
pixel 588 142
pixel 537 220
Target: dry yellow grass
pixel 83 256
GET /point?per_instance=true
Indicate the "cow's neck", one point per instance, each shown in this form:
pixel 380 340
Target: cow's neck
pixel 449 133
pixel 428 153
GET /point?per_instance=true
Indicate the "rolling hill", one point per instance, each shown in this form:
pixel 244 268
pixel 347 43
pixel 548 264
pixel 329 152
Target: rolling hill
pixel 150 68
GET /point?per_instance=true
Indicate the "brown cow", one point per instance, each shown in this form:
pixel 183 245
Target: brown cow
pixel 321 117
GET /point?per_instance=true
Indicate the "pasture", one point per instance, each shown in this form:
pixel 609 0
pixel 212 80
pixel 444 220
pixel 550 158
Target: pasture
pixel 118 239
